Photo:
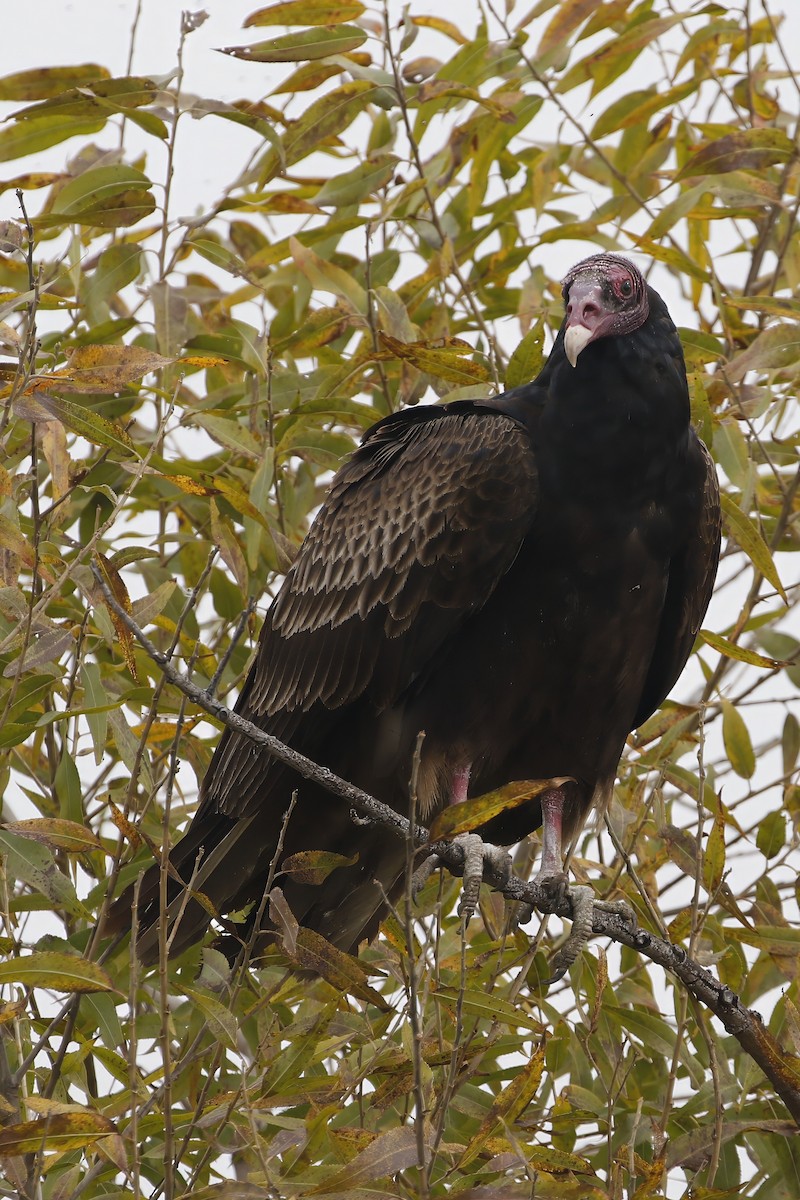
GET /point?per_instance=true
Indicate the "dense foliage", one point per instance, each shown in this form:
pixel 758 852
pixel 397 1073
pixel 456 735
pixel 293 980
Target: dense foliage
pixel 174 395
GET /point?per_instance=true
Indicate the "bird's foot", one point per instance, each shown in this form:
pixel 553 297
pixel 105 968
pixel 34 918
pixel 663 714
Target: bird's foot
pixel 584 903
pixel 553 893
pixel 480 859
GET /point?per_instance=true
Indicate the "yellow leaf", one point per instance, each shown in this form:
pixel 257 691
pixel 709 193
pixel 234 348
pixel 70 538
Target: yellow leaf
pixel 714 857
pixel 306 12
pixel 61 972
pixel 471 814
pixel 60 1131
pixel 58 833
pixel 509 1105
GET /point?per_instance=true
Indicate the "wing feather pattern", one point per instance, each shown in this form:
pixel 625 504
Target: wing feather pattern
pixel 417 530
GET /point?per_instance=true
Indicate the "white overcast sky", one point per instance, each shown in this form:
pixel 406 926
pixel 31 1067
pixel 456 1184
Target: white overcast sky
pixel 52 32
pixel 210 152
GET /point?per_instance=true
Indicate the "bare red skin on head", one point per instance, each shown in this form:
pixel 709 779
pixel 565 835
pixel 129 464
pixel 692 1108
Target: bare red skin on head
pixel 604 296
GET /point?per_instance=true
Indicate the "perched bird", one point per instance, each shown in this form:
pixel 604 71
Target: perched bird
pixel 522 578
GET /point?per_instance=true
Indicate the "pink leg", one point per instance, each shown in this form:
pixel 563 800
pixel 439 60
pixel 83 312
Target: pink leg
pixel 552 819
pixel 460 785
pixel 477 854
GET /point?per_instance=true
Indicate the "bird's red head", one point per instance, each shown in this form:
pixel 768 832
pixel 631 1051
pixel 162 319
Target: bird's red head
pixel 604 296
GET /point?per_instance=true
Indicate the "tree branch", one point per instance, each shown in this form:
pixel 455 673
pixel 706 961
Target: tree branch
pixel 780 1067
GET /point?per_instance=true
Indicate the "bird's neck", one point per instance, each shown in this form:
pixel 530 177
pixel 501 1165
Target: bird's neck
pixel 620 417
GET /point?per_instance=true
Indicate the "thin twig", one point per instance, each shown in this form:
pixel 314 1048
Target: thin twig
pixel 742 1023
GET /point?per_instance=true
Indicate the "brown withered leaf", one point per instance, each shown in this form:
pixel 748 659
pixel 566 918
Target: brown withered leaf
pixel 314 866
pixel 119 591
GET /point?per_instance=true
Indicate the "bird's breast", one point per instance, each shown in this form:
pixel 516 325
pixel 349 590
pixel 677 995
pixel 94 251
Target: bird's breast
pixel 545 680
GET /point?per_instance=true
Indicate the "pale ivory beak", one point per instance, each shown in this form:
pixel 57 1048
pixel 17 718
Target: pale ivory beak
pixel 576 337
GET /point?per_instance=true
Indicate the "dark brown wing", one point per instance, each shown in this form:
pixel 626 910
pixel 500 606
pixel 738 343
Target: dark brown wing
pixel 691 582
pixel 417 530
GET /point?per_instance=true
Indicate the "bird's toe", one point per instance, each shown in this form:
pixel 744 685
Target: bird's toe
pixel 554 891
pixel 583 903
pixel 423 873
pixel 621 909
pixel 481 861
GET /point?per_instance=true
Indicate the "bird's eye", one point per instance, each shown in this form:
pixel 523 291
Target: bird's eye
pixel 625 288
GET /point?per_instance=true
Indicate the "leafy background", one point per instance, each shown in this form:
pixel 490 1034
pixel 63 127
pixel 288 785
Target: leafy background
pixel 175 393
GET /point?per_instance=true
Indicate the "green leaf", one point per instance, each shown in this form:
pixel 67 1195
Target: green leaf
pixel 489 1007
pixel 453 363
pixel 746 535
pixel 13 733
pixel 325 118
pixel 229 433
pixel 776 349
pixel 652 1031
pixel 780 939
pixel 775 641
pixel 118 266
pixel 351 187
pixel 509 1104
pixel 96 698
pixel 68 789
pixel 105 196
pixel 40 83
pixel 730 448
pixel 714 857
pixel 34 864
pixel 736 737
pixel 327 277
pixel 636 108
pixel 107 1021
pixel 569 15
pixel 387 1155
pixel 302 47
pixel 617 55
pixel 528 359
pixel 33 136
pixel 307 12
pixel 740 653
pixel 104 95
pixel 222 1023
pixel 88 424
pixel 771 835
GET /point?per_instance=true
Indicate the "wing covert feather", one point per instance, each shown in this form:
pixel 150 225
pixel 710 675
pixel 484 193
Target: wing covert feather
pixel 418 528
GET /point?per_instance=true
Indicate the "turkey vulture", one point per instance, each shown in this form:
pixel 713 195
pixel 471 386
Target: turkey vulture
pixel 522 578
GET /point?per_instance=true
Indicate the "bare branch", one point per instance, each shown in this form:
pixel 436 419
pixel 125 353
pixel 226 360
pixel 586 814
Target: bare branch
pixel 742 1023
